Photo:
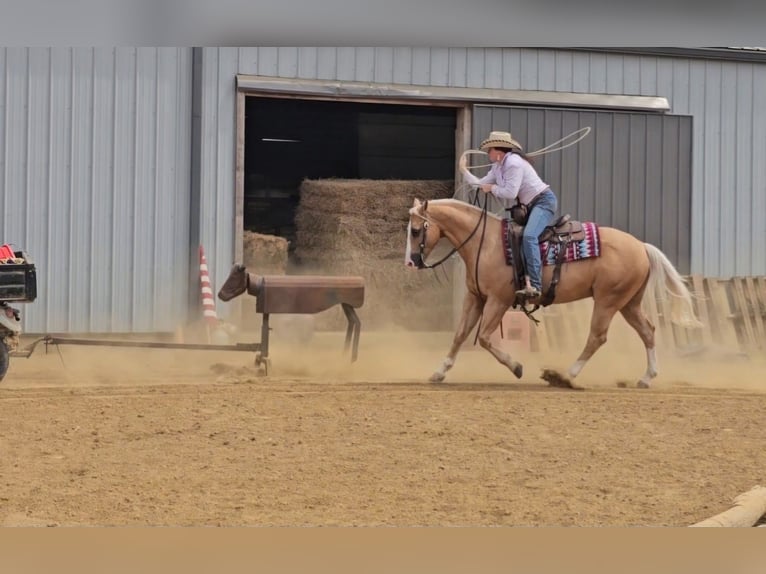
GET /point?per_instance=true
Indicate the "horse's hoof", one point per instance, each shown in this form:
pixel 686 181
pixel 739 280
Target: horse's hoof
pixel 555 379
pixel 642 385
pixel 517 370
pixel 436 378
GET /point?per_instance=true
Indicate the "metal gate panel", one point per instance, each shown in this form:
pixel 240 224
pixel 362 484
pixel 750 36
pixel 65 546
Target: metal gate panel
pixel 632 172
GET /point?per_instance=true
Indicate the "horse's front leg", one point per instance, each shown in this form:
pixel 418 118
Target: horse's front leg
pixel 493 314
pixel 472 307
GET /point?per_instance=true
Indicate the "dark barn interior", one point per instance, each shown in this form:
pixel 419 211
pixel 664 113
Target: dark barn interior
pixel 288 140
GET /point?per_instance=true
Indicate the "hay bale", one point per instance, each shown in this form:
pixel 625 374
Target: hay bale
pixel 365 216
pixel 384 199
pixel 264 254
pixel 358 227
pixel 344 234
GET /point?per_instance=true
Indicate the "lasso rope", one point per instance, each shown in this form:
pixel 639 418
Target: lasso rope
pixel 542 151
pixel 583 132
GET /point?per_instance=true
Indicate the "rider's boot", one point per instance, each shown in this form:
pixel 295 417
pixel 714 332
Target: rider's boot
pixel 529 292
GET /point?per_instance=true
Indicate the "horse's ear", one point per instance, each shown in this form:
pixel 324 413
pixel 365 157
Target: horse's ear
pixel 416 203
pixel 425 205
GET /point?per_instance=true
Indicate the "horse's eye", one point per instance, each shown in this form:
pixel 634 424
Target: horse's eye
pixel 415 232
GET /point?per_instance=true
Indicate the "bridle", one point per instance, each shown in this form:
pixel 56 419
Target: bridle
pixel 423 232
pixel 420 261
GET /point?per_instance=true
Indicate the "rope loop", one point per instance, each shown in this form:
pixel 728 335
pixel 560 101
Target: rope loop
pixel 582 133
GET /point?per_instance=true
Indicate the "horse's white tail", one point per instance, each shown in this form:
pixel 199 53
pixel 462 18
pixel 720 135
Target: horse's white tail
pixel 663 273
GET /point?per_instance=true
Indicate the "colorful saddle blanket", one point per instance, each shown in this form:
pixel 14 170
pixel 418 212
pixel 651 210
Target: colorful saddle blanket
pixel 585 248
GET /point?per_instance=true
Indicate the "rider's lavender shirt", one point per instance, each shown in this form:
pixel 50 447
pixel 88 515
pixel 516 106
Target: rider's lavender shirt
pixel 511 177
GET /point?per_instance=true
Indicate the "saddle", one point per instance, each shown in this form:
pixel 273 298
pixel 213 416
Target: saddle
pixel 564 230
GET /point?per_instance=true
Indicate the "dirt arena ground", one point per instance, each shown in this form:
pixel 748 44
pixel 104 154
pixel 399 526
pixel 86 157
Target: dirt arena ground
pixel 101 437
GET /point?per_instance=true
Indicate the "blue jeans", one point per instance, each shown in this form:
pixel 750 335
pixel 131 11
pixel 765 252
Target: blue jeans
pixel 540 217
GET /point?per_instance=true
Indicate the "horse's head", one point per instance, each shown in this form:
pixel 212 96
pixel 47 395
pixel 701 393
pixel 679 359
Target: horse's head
pixel 422 235
pixel 236 283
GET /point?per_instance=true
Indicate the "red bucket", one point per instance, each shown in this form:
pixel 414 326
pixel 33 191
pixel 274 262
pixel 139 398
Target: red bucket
pixel 6 252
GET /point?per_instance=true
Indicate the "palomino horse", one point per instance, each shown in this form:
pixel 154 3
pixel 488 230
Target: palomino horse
pixel 616 279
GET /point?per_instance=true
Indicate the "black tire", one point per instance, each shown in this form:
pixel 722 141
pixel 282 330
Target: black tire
pixel 4 359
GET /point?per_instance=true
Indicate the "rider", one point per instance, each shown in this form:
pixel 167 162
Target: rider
pixel 510 177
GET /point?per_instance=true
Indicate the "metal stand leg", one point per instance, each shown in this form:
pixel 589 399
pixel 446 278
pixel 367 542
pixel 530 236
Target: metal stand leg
pixel 354 328
pixel 262 358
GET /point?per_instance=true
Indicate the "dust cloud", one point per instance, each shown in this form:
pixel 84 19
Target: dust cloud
pixel 393 355
pixel 406 356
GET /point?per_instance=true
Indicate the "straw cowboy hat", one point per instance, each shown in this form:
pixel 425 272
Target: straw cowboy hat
pixel 501 140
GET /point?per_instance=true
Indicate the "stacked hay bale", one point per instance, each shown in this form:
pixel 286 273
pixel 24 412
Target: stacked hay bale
pixel 358 227
pixel 264 254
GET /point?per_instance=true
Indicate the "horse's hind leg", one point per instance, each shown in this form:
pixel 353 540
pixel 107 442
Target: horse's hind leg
pixel 493 314
pixel 472 307
pixel 636 318
pixel 599 325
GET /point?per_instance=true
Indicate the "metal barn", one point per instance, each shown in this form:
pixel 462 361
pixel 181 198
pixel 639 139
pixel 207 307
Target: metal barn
pixel 116 163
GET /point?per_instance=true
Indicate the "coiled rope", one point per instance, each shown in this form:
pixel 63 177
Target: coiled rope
pixel 582 133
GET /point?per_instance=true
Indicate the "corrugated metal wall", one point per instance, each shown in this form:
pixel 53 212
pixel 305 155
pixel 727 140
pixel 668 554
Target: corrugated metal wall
pixel 724 98
pixel 632 171
pixel 218 161
pixel 94 181
pixel 95 148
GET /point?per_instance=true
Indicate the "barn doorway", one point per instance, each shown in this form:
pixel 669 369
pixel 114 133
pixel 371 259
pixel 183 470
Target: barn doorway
pixel 288 140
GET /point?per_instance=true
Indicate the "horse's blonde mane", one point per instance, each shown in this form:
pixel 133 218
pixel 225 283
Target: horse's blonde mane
pixel 462 205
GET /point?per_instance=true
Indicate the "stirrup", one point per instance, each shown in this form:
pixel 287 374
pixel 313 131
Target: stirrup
pixel 528 293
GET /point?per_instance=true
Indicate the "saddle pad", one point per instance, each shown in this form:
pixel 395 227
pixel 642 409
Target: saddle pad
pixel 588 247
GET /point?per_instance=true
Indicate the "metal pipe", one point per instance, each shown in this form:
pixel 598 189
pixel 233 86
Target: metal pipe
pixel 151 344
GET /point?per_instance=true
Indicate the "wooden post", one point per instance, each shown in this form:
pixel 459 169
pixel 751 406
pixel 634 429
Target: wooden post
pixel 725 329
pixel 748 508
pixel 743 313
pixel 761 289
pixel 702 300
pixel 659 307
pixel 462 143
pixel 755 306
pixel 239 195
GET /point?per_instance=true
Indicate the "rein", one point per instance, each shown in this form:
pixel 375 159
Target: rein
pixel 482 217
pixel 481 241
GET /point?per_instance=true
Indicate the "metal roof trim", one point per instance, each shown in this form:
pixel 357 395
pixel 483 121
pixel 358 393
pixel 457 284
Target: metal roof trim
pixel 369 90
